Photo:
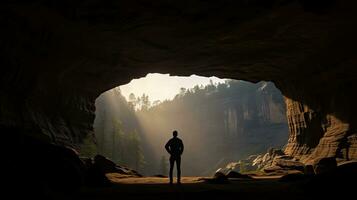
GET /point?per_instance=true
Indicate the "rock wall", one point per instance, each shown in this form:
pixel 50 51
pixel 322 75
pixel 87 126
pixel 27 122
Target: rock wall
pixel 58 56
pixel 325 130
pixel 254 119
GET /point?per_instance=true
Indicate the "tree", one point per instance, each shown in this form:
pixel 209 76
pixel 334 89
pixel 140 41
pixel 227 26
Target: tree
pixel 134 149
pixel 182 92
pixel 132 101
pixel 117 150
pixel 156 103
pixel 145 102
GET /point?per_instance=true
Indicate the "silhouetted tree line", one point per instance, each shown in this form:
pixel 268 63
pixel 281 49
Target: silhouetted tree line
pixel 116 131
pixel 219 122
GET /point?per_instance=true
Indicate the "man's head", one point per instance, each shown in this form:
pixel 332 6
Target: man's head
pixel 174 133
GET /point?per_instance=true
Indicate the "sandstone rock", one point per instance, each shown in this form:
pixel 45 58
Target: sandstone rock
pixel 251 158
pixel 234 174
pixel 232 166
pixel 247 165
pixel 273 157
pixel 95 176
pixel 293 177
pixel 337 181
pixel 309 170
pixel 57 167
pixel 108 166
pixel 257 161
pixel 219 178
pixel 287 162
pixel 271 169
pixel 275 152
pixel 347 169
pixel 325 165
pixel 276 162
pixel 221 171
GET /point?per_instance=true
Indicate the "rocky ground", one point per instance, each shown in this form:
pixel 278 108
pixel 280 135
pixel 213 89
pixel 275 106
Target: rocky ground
pixel 194 188
pixel 100 178
pixel 253 186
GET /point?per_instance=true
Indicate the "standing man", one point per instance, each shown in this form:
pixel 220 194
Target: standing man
pixel 175 148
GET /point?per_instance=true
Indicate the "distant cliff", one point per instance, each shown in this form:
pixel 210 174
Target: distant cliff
pixel 219 123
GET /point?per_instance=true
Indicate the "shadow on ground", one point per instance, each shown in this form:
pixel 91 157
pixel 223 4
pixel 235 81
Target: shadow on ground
pixel 195 188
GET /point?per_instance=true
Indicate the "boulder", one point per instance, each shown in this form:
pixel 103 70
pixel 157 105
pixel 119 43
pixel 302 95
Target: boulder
pixel 266 160
pixel 286 162
pixel 232 166
pixel 309 170
pixel 128 171
pixel 108 166
pixel 293 177
pixel 219 178
pixel 251 158
pixel 257 161
pixel 52 169
pixel 95 176
pixel 347 169
pixel 271 169
pixel 234 174
pixel 275 152
pixel 224 171
pixel 339 180
pixel 324 165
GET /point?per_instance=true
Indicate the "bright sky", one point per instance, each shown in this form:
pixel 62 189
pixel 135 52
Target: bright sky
pixel 163 86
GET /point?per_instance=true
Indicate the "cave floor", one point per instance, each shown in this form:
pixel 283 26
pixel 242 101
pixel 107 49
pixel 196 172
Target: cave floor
pixel 195 188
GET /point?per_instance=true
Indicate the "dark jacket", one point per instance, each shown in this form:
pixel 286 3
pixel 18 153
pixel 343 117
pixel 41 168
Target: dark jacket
pixel 174 146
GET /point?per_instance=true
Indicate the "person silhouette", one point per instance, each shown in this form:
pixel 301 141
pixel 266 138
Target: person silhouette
pixel 175 148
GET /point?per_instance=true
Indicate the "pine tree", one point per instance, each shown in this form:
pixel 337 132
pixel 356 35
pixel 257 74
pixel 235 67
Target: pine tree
pixel 135 150
pixel 132 101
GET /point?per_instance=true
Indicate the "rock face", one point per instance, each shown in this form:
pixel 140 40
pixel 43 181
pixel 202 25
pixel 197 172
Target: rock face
pixel 336 181
pixel 108 166
pixel 58 56
pixel 325 165
pixel 43 169
pixel 332 137
pixel 274 161
pixel 266 160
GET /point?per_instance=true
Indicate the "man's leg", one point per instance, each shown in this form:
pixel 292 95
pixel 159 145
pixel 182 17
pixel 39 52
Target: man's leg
pixel 178 165
pixel 172 161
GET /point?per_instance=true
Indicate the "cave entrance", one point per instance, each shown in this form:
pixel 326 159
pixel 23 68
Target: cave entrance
pixel 219 120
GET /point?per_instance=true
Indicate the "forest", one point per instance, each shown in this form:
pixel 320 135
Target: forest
pixel 219 123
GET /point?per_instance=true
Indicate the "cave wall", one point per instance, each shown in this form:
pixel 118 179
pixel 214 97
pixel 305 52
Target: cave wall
pixel 58 56
pixel 323 127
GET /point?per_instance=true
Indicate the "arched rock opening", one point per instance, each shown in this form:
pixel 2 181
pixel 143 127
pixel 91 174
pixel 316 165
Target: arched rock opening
pixel 58 56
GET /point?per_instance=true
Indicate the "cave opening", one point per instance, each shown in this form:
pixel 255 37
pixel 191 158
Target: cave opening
pixel 223 122
pixel 58 56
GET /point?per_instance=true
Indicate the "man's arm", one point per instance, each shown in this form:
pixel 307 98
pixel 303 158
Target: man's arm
pixel 167 147
pixel 182 147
